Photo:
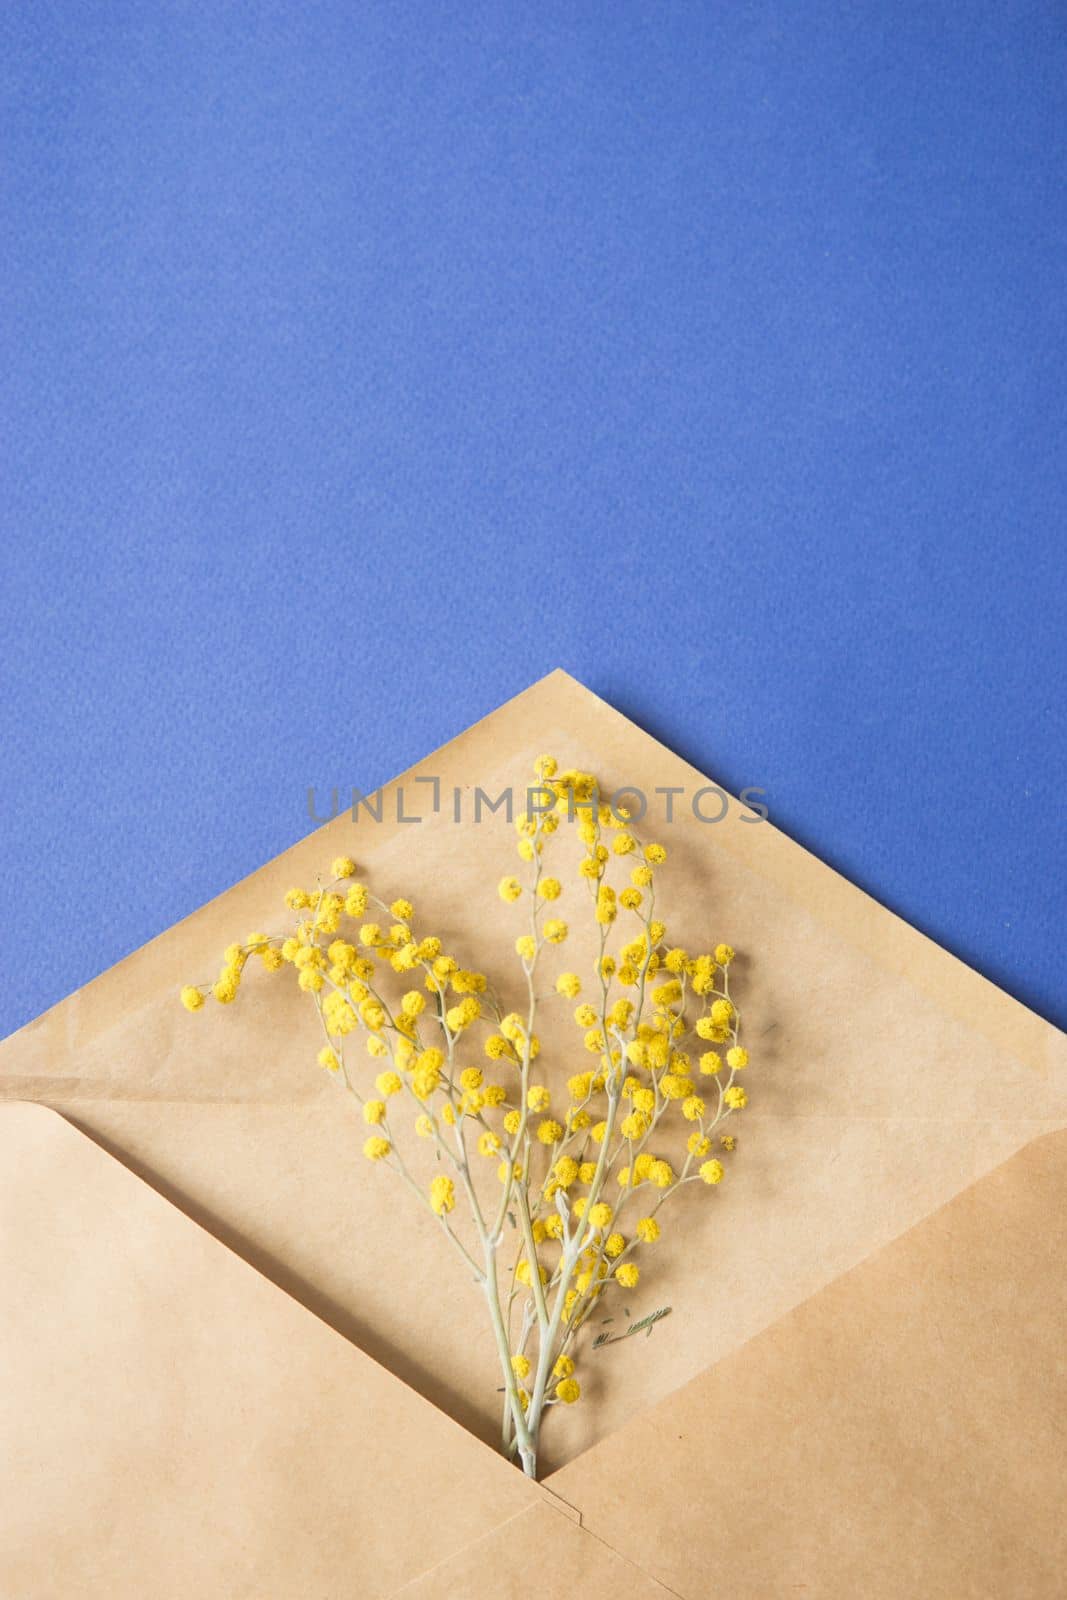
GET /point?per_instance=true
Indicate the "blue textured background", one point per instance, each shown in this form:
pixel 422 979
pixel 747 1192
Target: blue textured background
pixel 365 361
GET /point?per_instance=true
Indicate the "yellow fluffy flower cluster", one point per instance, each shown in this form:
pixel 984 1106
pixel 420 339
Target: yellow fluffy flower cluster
pixel 562 1173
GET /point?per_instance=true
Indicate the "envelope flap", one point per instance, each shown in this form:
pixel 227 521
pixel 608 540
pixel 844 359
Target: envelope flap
pixel 904 1431
pixel 174 1424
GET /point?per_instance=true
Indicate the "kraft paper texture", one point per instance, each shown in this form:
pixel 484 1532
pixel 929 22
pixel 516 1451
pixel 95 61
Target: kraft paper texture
pixel 243 1364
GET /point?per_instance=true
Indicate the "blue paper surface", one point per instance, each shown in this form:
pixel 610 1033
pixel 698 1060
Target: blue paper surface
pixel 364 362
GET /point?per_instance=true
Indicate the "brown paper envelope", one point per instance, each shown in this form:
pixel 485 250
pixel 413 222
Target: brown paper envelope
pixel 175 1425
pixel 886 1077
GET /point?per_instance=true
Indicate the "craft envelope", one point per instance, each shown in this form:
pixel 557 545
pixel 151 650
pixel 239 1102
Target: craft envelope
pixel 238 1362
